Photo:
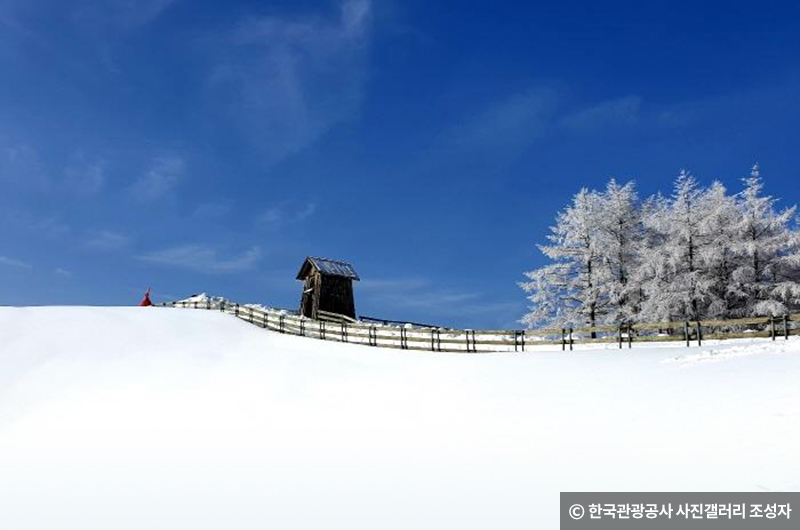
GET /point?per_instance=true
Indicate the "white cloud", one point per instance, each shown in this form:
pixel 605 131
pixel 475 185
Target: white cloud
pixel 11 262
pixel 107 240
pixel 160 179
pixel 51 226
pixel 86 177
pixel 63 272
pixel 618 111
pixel 21 167
pixel 507 125
pixel 123 13
pixel 213 210
pixel 291 79
pixel 392 285
pixel 305 212
pixel 201 258
pixel 421 294
pixel 284 214
pixel 270 218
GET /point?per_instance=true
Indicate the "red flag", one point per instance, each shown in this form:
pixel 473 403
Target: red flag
pixel 146 300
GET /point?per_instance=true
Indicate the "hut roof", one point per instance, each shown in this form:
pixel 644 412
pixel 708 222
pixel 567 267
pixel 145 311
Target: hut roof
pixel 327 266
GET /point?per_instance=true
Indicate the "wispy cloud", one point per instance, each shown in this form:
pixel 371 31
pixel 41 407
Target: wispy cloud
pixel 392 285
pixel 433 299
pixel 424 295
pixel 202 258
pixel 11 262
pixel 213 210
pixel 52 226
pixel 161 178
pixel 86 177
pixel 306 212
pixel 507 124
pixel 290 80
pixel 21 167
pixel 63 272
pixel 107 240
pixel 619 111
pixel 126 14
pixel 285 214
pixel 121 13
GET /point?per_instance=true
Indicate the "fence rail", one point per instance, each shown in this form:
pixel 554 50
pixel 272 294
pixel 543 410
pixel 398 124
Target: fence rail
pixel 493 340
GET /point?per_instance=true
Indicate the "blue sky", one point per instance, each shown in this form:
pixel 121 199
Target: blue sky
pixel 209 146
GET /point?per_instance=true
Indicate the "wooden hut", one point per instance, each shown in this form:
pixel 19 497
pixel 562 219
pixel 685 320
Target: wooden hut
pixel 327 288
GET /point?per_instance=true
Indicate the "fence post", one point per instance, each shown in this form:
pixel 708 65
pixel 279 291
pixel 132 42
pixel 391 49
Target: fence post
pixel 571 342
pixel 519 340
pixel 772 328
pixel 686 333
pixel 264 320
pixel 344 331
pixel 322 329
pixel 303 327
pixel 619 335
pixel 630 336
pixel 699 333
pixel 433 339
pixel 563 339
pixel 786 327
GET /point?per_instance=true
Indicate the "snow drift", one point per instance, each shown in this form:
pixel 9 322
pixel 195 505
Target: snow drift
pixel 132 418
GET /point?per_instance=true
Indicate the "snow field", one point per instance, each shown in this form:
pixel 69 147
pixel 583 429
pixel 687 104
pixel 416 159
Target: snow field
pixel 133 418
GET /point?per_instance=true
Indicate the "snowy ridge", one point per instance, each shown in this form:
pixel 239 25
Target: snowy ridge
pixel 206 301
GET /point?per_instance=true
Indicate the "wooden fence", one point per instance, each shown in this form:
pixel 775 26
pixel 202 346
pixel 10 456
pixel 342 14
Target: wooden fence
pixel 492 340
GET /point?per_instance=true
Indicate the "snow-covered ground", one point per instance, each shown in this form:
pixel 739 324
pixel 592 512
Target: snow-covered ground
pixel 155 418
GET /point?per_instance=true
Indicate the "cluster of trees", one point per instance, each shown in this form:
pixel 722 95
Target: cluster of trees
pixel 701 253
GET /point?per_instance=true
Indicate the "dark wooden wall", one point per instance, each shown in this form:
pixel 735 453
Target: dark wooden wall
pixel 336 296
pixel 327 293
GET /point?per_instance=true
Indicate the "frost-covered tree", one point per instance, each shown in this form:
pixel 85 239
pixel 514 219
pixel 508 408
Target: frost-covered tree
pixel 700 253
pixel 653 272
pixel 619 240
pixel 680 287
pixel 718 256
pixel 569 292
pixel 766 275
